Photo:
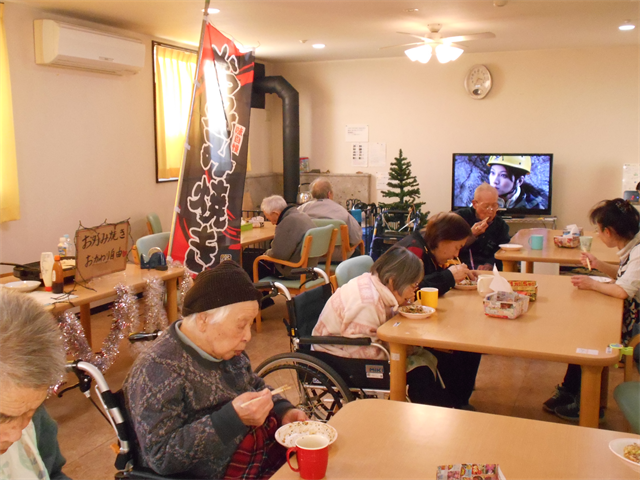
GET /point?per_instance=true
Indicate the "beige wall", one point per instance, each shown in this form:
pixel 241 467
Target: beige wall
pixel 85 146
pixel 581 105
pixel 85 141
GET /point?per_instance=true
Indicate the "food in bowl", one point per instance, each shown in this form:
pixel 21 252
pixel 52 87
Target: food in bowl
pixel 632 452
pixel 467 282
pixel 416 311
pixel 413 308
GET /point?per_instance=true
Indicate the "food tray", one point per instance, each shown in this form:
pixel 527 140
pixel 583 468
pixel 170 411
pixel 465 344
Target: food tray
pixel 566 241
pixel 505 304
pixel 525 287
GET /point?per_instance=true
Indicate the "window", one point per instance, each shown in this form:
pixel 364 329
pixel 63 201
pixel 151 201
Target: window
pixel 174 69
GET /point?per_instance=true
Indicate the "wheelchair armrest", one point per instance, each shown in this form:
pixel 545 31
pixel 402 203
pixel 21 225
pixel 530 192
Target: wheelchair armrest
pixel 334 341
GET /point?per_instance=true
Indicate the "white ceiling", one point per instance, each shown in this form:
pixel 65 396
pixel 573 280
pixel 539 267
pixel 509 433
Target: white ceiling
pixel 357 29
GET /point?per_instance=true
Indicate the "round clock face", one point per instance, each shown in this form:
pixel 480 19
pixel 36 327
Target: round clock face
pixel 478 81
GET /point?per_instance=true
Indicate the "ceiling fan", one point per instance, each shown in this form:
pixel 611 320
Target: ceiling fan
pixel 446 48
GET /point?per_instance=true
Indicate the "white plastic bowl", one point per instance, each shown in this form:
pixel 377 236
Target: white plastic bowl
pixel 510 246
pixel 426 312
pixel 617 447
pixel 23 285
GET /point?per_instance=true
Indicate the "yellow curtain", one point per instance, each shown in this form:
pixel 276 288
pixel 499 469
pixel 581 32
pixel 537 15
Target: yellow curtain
pixel 174 71
pixel 9 195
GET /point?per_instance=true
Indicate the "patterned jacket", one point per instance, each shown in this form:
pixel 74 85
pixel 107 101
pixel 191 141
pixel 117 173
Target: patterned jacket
pixel 180 407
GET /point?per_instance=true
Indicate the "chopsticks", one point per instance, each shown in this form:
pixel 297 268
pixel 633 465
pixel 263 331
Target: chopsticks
pixel 460 263
pixel 273 392
pixel 471 259
pixel 589 263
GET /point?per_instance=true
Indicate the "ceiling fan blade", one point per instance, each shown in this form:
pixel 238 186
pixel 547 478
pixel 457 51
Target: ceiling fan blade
pixel 472 36
pixel 401 45
pixel 424 39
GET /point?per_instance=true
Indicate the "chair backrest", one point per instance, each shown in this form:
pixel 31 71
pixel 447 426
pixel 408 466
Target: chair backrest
pixel 322 222
pixel 144 244
pixel 321 240
pixel 352 267
pixel 153 224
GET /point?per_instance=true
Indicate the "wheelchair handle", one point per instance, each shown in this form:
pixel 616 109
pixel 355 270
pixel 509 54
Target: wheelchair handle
pixel 314 273
pixel 276 289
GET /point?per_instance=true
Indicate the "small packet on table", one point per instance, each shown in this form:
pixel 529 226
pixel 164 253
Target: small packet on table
pixel 470 471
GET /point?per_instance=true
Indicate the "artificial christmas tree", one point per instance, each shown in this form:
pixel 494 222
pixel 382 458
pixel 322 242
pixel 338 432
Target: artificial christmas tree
pixel 403 186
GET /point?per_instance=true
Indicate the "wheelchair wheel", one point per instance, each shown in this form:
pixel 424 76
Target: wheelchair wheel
pixel 316 389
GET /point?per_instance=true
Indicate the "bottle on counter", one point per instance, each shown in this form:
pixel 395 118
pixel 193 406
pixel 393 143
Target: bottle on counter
pixel 71 248
pixel 57 276
pixel 62 247
pixel 46 268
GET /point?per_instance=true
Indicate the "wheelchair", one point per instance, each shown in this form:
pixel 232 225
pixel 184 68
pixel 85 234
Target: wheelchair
pixel 112 408
pixel 321 383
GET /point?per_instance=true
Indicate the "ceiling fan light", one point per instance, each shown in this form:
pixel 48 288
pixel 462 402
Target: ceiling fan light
pixel 627 26
pixel 454 53
pixel 446 53
pixel 421 54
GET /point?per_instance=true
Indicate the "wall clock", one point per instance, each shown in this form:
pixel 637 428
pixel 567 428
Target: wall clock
pixel 478 82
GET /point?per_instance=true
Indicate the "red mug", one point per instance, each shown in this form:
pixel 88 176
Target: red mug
pixel 312 452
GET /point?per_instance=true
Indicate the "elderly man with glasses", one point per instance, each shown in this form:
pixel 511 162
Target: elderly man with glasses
pixel 488 230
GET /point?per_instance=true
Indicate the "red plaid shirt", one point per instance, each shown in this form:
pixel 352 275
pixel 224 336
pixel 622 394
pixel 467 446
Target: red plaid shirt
pixel 259 455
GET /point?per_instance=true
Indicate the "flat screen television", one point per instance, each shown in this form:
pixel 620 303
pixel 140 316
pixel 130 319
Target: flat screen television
pixel 523 180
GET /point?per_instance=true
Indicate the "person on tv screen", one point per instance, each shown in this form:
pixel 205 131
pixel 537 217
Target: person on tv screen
pixel 488 230
pixel 507 177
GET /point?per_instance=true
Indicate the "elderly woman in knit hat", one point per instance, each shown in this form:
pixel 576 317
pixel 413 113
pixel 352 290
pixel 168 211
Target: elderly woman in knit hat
pixel 187 393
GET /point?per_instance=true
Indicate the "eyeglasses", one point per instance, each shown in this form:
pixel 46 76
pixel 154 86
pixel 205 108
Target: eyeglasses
pixel 489 206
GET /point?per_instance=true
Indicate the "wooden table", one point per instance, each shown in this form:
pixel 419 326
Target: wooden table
pixel 103 287
pixel 388 440
pixel 550 253
pixel 562 320
pixel 258 235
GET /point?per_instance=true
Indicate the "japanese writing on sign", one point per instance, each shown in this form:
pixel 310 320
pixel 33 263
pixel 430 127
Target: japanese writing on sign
pixel 101 250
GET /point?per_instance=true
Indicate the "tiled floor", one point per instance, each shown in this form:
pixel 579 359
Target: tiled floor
pixel 505 386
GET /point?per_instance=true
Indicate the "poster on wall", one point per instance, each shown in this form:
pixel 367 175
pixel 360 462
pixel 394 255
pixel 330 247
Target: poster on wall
pixel 206 223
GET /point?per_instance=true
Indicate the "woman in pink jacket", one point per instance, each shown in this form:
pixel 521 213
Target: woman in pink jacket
pixel 360 306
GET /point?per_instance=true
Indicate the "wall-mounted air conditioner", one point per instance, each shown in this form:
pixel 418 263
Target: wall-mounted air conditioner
pixel 63 45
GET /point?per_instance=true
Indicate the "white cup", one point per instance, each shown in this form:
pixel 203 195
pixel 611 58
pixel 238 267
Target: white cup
pixel 483 285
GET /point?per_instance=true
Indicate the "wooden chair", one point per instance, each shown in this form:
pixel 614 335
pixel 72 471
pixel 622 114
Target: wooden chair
pixel 153 224
pixel 317 243
pixel 342 242
pixel 627 394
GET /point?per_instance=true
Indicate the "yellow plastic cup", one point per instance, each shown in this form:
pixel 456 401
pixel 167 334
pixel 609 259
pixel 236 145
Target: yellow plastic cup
pixel 428 296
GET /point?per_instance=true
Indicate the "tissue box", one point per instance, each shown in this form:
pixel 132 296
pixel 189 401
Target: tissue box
pixel 525 287
pixel 505 304
pixel 245 227
pixel 567 231
pixel 566 241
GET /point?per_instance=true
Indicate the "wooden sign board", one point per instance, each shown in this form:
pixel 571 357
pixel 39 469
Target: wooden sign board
pixel 101 250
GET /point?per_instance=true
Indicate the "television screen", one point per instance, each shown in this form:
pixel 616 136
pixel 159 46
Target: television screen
pixel 523 180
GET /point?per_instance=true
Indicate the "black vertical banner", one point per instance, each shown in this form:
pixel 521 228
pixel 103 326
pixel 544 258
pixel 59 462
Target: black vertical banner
pixel 206 227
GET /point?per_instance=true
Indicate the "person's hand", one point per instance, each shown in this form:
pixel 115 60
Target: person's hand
pixel 294 415
pixel 592 259
pixel 486 266
pixel 480 227
pixel 583 282
pixel 460 272
pixel 256 412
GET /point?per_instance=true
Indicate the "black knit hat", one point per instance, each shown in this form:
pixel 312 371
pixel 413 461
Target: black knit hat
pixel 223 285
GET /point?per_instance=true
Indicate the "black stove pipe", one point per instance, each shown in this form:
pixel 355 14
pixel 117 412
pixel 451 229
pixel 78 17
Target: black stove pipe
pixel 290 131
